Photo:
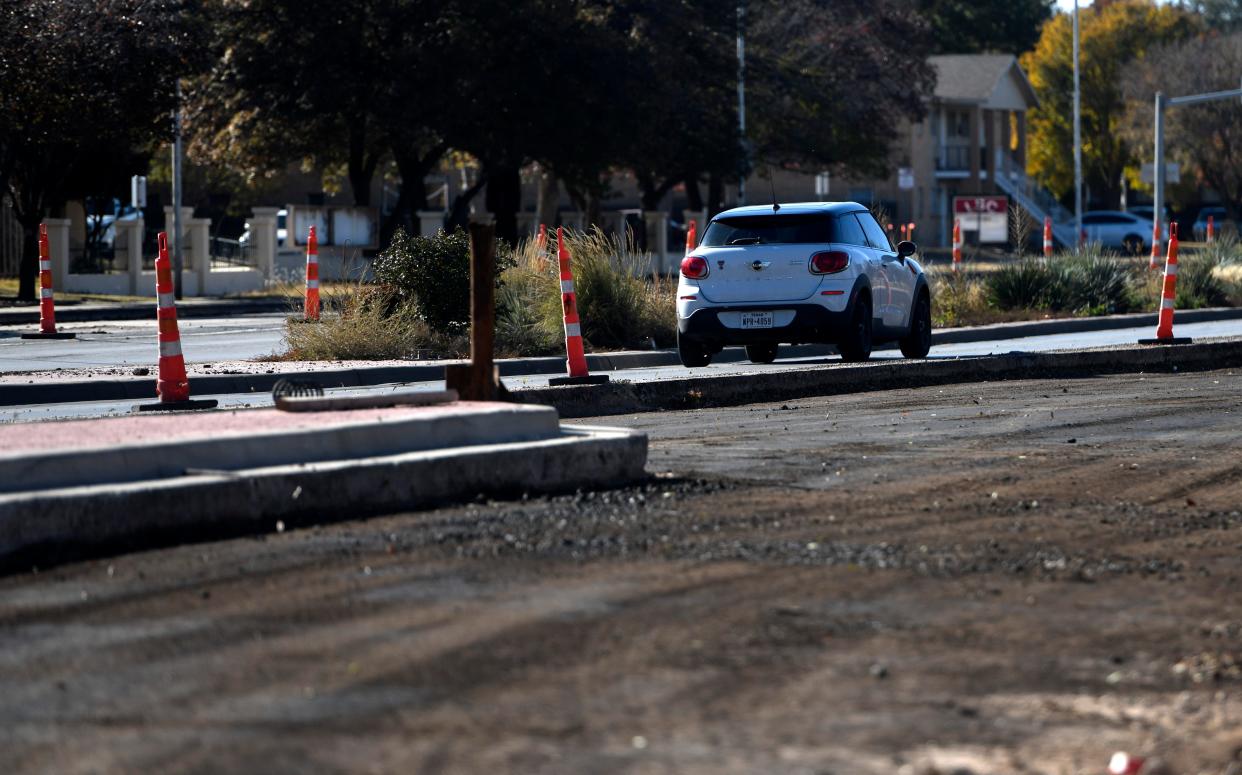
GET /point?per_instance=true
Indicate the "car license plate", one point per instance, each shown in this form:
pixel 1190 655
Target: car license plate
pixel 756 320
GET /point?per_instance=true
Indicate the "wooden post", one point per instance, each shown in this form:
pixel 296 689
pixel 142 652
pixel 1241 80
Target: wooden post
pixel 479 380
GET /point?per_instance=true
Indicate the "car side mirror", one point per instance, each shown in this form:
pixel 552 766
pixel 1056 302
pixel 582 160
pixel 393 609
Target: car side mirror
pixel 906 248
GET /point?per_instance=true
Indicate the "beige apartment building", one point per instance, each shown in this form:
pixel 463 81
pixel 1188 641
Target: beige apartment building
pixel 972 143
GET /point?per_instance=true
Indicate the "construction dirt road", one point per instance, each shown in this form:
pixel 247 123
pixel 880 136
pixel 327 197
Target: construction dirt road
pixel 990 578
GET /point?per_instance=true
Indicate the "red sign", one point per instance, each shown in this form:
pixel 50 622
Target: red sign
pixel 973 205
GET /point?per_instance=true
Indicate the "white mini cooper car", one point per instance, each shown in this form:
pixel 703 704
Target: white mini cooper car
pixel 820 272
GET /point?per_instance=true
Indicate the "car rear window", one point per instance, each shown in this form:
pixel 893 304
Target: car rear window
pixel 773 229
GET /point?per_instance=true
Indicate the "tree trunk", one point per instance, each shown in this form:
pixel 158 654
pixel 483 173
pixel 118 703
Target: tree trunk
pixel 715 195
pixel 693 195
pixel 459 216
pixel 28 269
pixel 549 201
pixel 504 200
pixel 361 167
pixel 413 169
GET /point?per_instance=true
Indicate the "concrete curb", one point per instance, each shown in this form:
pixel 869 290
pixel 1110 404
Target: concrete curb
pixel 137 388
pixel 735 389
pixel 90 312
pixel 56 525
pixel 338 436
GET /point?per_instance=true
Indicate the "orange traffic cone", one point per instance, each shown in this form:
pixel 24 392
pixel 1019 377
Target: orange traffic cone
pixel 47 307
pixel 542 239
pixel 957 244
pixel 1211 230
pixel 576 357
pixel 692 236
pixel 1164 330
pixel 1047 237
pixel 172 385
pixel 310 309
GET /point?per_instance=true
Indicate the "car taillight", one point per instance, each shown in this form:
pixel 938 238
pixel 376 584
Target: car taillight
pixel 829 262
pixel 694 267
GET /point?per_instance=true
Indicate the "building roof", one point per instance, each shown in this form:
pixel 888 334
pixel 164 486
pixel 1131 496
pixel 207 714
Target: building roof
pixel 975 77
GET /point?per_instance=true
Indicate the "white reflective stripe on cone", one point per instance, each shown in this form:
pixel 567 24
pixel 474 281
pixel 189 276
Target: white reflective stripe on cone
pixel 45 266
pixel 169 349
pixel 567 286
pixel 167 300
pixel 312 283
pixel 573 329
pixel 312 259
pixel 1170 270
pixel 45 293
pixel 1166 304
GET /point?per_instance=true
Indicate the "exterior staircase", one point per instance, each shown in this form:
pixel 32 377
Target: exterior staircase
pixel 1035 199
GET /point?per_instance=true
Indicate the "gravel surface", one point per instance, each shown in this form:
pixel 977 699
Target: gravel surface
pixel 993 578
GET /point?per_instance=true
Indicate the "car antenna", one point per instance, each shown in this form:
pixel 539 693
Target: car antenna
pixel 772 187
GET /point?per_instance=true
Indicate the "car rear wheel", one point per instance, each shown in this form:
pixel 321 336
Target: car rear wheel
pixel 762 353
pixel 856 344
pixel 693 354
pixel 1133 244
pixel 917 343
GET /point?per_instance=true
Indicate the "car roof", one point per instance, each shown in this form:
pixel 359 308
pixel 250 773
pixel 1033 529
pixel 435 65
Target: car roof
pixel 794 208
pixel 1107 212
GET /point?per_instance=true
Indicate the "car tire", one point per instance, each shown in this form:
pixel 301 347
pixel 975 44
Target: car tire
pixel 1132 244
pixel 856 344
pixel 762 353
pixel 693 354
pixel 917 343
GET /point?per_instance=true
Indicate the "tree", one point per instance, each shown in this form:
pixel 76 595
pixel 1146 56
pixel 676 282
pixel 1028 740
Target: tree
pixel 1219 15
pixel 1113 39
pixel 830 80
pixel 1205 138
pixel 981 26
pixel 274 96
pixel 80 81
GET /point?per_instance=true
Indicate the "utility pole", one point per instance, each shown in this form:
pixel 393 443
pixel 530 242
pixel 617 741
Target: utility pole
pixel 1077 139
pixel 1157 204
pixel 178 234
pixel 741 100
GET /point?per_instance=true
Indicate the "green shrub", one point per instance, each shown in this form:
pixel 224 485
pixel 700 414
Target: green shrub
pixel 1024 285
pixel 1090 282
pixel 1198 284
pixel 433 273
pixel 1084 282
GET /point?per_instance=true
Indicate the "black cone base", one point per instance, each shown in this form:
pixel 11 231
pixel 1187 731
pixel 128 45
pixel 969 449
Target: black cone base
pixel 41 335
pixel 590 379
pixel 1170 340
pixel 174 406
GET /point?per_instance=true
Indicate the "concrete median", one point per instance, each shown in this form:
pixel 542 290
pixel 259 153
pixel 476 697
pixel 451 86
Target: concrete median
pixel 63 501
pixel 701 389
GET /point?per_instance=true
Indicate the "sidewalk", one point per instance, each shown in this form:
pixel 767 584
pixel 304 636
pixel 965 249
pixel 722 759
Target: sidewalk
pixel 21 389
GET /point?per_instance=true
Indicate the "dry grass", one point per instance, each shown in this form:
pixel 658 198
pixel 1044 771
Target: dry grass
pixel 360 322
pixel 9 286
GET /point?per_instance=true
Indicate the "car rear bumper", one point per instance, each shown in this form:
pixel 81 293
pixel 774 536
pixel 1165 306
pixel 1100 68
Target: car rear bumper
pixel 811 323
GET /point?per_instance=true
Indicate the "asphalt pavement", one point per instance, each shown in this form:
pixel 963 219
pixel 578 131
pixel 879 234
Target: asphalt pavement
pixel 1007 577
pixel 131 343
pixel 82 409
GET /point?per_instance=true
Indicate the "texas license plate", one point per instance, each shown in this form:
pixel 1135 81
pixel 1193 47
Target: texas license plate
pixel 756 320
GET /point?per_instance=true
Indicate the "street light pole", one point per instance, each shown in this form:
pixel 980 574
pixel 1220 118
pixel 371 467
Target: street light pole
pixel 177 263
pixel 1157 209
pixel 1077 138
pixel 741 100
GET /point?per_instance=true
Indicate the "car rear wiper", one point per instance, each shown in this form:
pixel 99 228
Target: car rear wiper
pixel 745 241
